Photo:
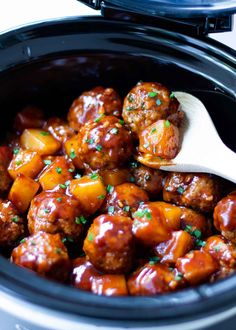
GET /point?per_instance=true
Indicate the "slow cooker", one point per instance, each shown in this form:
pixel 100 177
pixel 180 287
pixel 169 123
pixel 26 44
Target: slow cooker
pixel 49 64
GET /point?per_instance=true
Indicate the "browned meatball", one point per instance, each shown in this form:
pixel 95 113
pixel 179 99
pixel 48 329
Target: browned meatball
pixel 104 143
pixel 225 216
pixel 109 244
pixel 195 190
pixel 148 102
pixel 124 199
pixel 54 212
pixel 5 158
pixel 44 254
pixel 11 224
pixel 149 179
pixel 152 279
pixel 91 104
pixel 59 129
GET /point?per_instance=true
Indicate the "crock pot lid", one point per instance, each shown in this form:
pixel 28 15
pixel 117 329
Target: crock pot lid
pixel 176 8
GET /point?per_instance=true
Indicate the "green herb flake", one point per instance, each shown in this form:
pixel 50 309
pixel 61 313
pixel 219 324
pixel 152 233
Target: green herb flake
pixel 47 162
pixel 132 179
pixel 172 95
pixel 71 170
pixel 121 121
pixel 134 164
pixel 200 243
pixel 63 186
pixel 58 251
pixel 111 209
pixel 82 219
pixel 130 98
pixel 114 131
pixel 18 162
pixel 67 240
pixel 197 233
pixel 217 248
pixel 110 188
pixel 97 120
pixel 58 170
pixel 44 133
pixel 101 197
pixel 126 208
pixel 167 123
pixel 152 94
pixel 153 130
pixel 158 102
pixel 23 240
pixel 179 277
pixel 180 190
pixel 98 147
pixel 15 219
pixel 33 243
pixel 146 145
pixel 77 220
pixel 16 151
pixel 72 154
pixel 90 237
pixel 188 229
pixel 46 211
pixel 94 176
pixel 78 176
pixel 130 108
pixel 59 199
pixel 67 183
pixel 154 260
pixel 89 141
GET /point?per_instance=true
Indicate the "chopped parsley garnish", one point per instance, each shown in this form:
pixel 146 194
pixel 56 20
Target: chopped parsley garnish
pixel 111 209
pixel 63 186
pixel 94 176
pixel 67 239
pixel 33 243
pixel 59 199
pixel 67 183
pixel 58 170
pixel 134 164
pixel 154 260
pixel 197 233
pixel 101 197
pixel 97 120
pixel 218 247
pixel 152 94
pixel 77 220
pixel 158 102
pixel 71 170
pixel 58 250
pixel 130 108
pixel 78 176
pixel 46 210
pixel 153 130
pixel 130 98
pixel 90 237
pixel 23 240
pixel 98 147
pixel 72 154
pixel 147 177
pixel 172 95
pixel 18 162
pixel 188 229
pixel 180 190
pixel 114 131
pixel 142 213
pixel 89 141
pixel 15 219
pixel 82 220
pixel 16 151
pixel 167 123
pixel 132 179
pixel 179 276
pixel 146 145
pixel 47 162
pixel 121 121
pixel 200 243
pixel 44 133
pixel 110 188
pixel 126 208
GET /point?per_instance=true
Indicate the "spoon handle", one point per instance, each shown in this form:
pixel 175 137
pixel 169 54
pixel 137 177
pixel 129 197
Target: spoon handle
pixel 223 163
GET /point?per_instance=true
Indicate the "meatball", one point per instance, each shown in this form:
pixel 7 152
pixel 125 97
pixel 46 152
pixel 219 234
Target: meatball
pixel 104 143
pixel 124 199
pixel 44 254
pixel 194 220
pixel 91 104
pixel 152 279
pixel 199 191
pixel 54 212
pixel 5 158
pixel 148 102
pixel 109 244
pixel 225 216
pixel 196 266
pixel 59 129
pixel 11 224
pixel 83 273
pixel 149 179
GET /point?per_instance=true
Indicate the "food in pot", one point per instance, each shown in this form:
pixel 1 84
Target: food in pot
pixel 90 215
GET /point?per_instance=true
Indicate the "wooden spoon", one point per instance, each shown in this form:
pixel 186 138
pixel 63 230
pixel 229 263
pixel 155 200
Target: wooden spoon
pixel 202 150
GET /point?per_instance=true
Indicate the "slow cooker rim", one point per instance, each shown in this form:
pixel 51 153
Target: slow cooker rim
pixel 23 283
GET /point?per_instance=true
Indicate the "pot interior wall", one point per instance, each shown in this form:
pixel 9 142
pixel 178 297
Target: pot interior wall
pixel 53 83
